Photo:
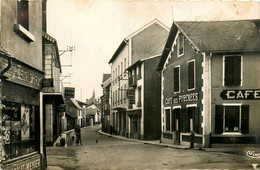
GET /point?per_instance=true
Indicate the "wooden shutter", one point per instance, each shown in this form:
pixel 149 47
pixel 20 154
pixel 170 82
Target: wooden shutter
pixel 237 70
pixel 244 119
pixel 176 79
pixel 229 71
pixel 219 119
pixel 174 120
pixel 197 120
pixel 191 75
pixel 185 121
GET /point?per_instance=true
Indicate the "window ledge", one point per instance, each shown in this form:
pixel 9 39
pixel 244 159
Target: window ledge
pixel 231 133
pixel 20 30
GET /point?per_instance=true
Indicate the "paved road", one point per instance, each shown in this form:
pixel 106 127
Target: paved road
pixel 112 153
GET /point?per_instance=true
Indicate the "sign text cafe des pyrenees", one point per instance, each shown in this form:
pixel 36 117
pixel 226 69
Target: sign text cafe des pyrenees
pixel 251 94
pixel 192 97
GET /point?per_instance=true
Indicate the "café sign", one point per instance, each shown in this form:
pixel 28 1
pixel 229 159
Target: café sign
pixel 240 94
pixel 192 97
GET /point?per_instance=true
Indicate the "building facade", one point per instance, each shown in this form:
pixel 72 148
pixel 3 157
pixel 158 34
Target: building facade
pixel 105 103
pixel 144 97
pixel 147 41
pixel 53 96
pixel 21 82
pixel 209 94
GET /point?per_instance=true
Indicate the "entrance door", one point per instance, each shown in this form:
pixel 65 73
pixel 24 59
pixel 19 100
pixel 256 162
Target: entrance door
pixel 177 125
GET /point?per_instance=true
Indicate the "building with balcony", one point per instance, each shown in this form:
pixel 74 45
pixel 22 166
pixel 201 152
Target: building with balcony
pixel 105 102
pixel 210 83
pixel 144 97
pixel 145 42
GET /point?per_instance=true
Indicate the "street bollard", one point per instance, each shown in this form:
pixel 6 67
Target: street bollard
pixel 192 140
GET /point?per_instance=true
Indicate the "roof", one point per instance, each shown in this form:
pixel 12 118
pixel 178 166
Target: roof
pixel 74 101
pixel 125 41
pixel 52 40
pixel 216 36
pixel 222 36
pixel 81 103
pixel 91 111
pixel 106 77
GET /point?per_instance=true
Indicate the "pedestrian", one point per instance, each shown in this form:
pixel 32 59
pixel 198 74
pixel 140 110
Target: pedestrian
pixel 78 135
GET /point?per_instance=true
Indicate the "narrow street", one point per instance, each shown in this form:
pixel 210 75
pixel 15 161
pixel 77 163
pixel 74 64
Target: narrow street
pixel 111 153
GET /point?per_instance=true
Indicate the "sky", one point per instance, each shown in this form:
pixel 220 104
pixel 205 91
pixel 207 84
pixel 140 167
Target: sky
pixel 95 29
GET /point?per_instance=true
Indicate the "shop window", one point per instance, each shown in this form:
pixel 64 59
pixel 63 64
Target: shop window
pixel 180 44
pixel 191 119
pixel 168 119
pixel 176 78
pixel 20 127
pixel 23 13
pixel 232 70
pixel 139 103
pixel 175 119
pixel 191 75
pixel 232 119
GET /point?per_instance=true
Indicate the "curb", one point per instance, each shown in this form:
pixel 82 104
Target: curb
pixel 145 142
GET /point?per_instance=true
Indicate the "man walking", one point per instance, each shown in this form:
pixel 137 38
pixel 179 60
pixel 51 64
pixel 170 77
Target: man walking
pixel 78 135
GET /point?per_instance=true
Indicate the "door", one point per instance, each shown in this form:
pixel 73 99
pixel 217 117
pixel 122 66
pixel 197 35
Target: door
pixel 176 112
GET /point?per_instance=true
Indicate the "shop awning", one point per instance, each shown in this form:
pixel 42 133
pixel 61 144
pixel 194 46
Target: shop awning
pixel 58 97
pixel 120 109
pixel 134 112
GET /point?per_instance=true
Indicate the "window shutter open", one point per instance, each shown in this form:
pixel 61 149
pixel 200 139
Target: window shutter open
pixel 185 120
pixel 237 70
pixel 174 120
pixel 197 120
pixel 229 71
pixel 191 75
pixel 219 119
pixel 176 79
pixel 244 119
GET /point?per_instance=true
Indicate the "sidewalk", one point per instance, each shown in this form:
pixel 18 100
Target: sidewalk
pixel 154 142
pixel 237 149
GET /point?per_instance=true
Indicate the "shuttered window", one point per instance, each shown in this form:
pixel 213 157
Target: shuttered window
pixel 232 119
pixel 175 115
pixel 191 75
pixel 185 120
pixel 168 119
pixel 23 13
pixel 176 78
pixel 232 70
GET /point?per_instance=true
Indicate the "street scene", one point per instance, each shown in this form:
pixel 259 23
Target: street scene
pixel 115 153
pixel 129 84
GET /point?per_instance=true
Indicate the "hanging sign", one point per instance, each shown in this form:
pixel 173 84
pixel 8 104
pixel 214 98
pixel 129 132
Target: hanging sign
pixel 240 94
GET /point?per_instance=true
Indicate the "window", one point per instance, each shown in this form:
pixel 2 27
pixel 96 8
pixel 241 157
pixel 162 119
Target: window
pixel 23 13
pixel 125 63
pixel 175 119
pixel 121 93
pixel 232 118
pixel 190 123
pixel 116 75
pixel 118 71
pixel 139 103
pixel 232 70
pixel 191 75
pixel 168 119
pixel 180 45
pixel 176 83
pixel 124 91
pixel 121 67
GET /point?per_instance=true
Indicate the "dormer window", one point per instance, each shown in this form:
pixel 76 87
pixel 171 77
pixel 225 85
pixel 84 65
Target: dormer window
pixel 180 45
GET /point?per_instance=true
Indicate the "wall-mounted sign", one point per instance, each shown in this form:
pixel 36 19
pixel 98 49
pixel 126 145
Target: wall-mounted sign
pixel 192 97
pixel 240 94
pixel 131 95
pixel 23 75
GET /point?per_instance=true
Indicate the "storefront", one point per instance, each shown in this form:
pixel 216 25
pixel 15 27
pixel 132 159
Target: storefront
pixel 21 116
pixel 135 123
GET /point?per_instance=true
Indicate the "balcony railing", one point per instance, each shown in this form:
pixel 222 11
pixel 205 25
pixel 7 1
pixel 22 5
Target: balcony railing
pixel 132 81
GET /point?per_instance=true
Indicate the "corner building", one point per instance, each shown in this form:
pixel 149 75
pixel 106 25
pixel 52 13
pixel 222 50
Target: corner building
pixel 210 89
